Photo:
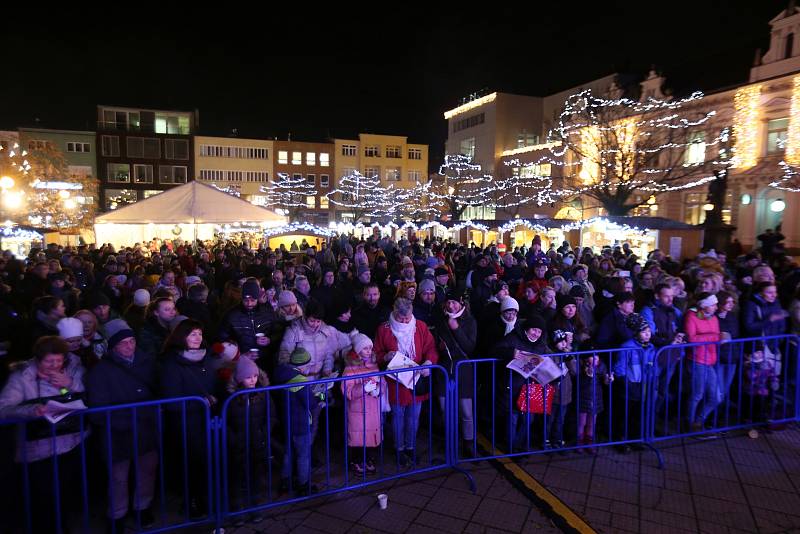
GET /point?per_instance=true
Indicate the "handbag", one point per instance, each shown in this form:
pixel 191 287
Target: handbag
pixel 532 396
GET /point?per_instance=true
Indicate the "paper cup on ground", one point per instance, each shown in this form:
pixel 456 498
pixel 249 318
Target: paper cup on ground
pixel 383 501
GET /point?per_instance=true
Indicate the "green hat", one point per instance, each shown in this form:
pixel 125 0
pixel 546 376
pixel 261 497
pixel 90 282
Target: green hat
pixel 300 356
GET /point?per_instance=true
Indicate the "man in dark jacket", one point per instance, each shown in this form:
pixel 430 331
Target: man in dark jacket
pixel 370 315
pixel 156 327
pixel 613 331
pixel 244 323
pixel 195 306
pixel 126 376
pixel 425 307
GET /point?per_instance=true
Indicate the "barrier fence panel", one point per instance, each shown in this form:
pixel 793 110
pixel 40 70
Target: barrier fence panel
pixel 118 462
pixel 701 388
pixel 599 399
pixel 363 428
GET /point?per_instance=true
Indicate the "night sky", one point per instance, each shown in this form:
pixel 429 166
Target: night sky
pixel 319 72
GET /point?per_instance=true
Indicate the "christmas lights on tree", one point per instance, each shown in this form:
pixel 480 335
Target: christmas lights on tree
pixel 611 149
pixel 289 194
pixel 38 189
pixel 364 196
pixel 463 184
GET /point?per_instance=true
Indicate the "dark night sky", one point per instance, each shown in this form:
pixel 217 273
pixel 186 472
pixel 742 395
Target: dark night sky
pixel 322 71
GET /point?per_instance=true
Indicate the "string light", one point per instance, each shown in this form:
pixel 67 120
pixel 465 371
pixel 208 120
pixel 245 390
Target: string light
pixel 792 155
pixel 299 227
pixel 470 105
pixel 746 126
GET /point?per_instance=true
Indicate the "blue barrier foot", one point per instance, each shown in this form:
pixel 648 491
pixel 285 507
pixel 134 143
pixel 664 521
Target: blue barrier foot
pixel 472 486
pixel 659 456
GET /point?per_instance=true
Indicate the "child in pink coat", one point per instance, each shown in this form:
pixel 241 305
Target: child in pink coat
pixel 363 404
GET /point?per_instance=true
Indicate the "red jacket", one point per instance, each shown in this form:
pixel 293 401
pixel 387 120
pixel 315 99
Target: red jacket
pixel 699 331
pixel 385 342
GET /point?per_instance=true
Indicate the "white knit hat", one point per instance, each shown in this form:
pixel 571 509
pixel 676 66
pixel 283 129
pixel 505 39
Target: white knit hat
pixel 508 303
pixel 360 342
pixel 141 298
pixel 70 327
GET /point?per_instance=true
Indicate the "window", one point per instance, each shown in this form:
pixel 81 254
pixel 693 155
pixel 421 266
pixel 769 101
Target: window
pixel 393 174
pixel 110 145
pixel 78 147
pixel 532 171
pixel 469 122
pixel 297 176
pixel 311 158
pixel 176 149
pixel 696 151
pixel 143 174
pixel 526 139
pixel 171 174
pixel 323 202
pixel 283 157
pixel 211 175
pixel 118 198
pixel 693 208
pixel 220 151
pixel 172 124
pixel 348 171
pixel 414 176
pixel 394 152
pixel 324 180
pixel 324 159
pixel 118 173
pixel 39 144
pixel 349 150
pixel 311 202
pixel 311 179
pixel 467 147
pixel 372 151
pixel 369 172
pixel 297 158
pixel 415 153
pixel 141 147
pixel 257 176
pixel 147 193
pixel 777 131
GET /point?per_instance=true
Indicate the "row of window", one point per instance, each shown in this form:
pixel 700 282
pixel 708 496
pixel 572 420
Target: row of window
pixel 392 174
pixel 146 121
pixel 118 198
pixel 120 173
pixel 468 122
pixel 324 179
pixel 311 158
pixel 374 151
pixel 239 152
pixel 72 146
pixel 234 176
pixel 146 147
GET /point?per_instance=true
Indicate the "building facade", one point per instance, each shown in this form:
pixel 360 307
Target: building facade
pixel 142 152
pixel 240 166
pixel 315 162
pixel 397 162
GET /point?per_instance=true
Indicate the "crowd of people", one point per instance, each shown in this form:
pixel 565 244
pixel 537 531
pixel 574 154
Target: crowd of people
pixel 166 320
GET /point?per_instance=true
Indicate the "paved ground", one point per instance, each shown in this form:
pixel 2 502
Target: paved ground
pixel 728 485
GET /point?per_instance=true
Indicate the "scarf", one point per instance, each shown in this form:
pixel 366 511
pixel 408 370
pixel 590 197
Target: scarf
pixel 509 324
pixel 404 334
pixel 457 314
pixel 194 355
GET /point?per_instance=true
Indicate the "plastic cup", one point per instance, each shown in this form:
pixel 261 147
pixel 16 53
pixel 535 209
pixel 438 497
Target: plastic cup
pixel 383 501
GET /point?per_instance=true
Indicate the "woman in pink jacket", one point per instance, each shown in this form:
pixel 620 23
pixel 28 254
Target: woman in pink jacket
pixel 404 334
pixel 702 326
pixel 366 398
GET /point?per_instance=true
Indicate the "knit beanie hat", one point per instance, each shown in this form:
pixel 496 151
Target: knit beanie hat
pixel 535 321
pixel 508 303
pixel 300 356
pixel 286 298
pixel 70 327
pixel 636 323
pixel 558 336
pixel 245 368
pixel 441 271
pixel 141 298
pixel 117 330
pixel 362 269
pixel 565 300
pixel 173 324
pixel 427 285
pixel 577 292
pixel 251 288
pixel 97 299
pixel 360 342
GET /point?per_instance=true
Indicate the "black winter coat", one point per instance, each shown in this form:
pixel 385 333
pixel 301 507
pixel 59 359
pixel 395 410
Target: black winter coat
pixel 509 382
pixel 367 319
pixel 241 326
pixel 455 346
pixel 115 381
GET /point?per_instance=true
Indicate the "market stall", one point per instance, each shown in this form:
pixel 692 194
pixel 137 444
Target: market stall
pixel 296 233
pixel 191 211
pixel 20 239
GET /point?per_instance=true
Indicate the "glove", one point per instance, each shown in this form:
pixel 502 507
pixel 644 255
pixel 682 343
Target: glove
pixel 370 386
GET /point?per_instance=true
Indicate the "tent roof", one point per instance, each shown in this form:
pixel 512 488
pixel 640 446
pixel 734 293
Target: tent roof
pixel 193 202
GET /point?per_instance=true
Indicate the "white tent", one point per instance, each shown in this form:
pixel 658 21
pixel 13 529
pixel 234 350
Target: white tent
pixel 191 211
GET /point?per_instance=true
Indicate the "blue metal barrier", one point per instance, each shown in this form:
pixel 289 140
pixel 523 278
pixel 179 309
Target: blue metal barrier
pixel 496 392
pixel 256 487
pixel 104 432
pixel 177 452
pixel 751 382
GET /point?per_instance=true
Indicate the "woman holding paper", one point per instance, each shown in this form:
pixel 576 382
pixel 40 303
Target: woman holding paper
pixel 51 374
pixel 405 336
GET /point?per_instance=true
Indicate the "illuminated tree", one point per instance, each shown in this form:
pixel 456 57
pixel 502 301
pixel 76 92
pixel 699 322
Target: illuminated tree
pixel 364 196
pixel 463 185
pixel 289 194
